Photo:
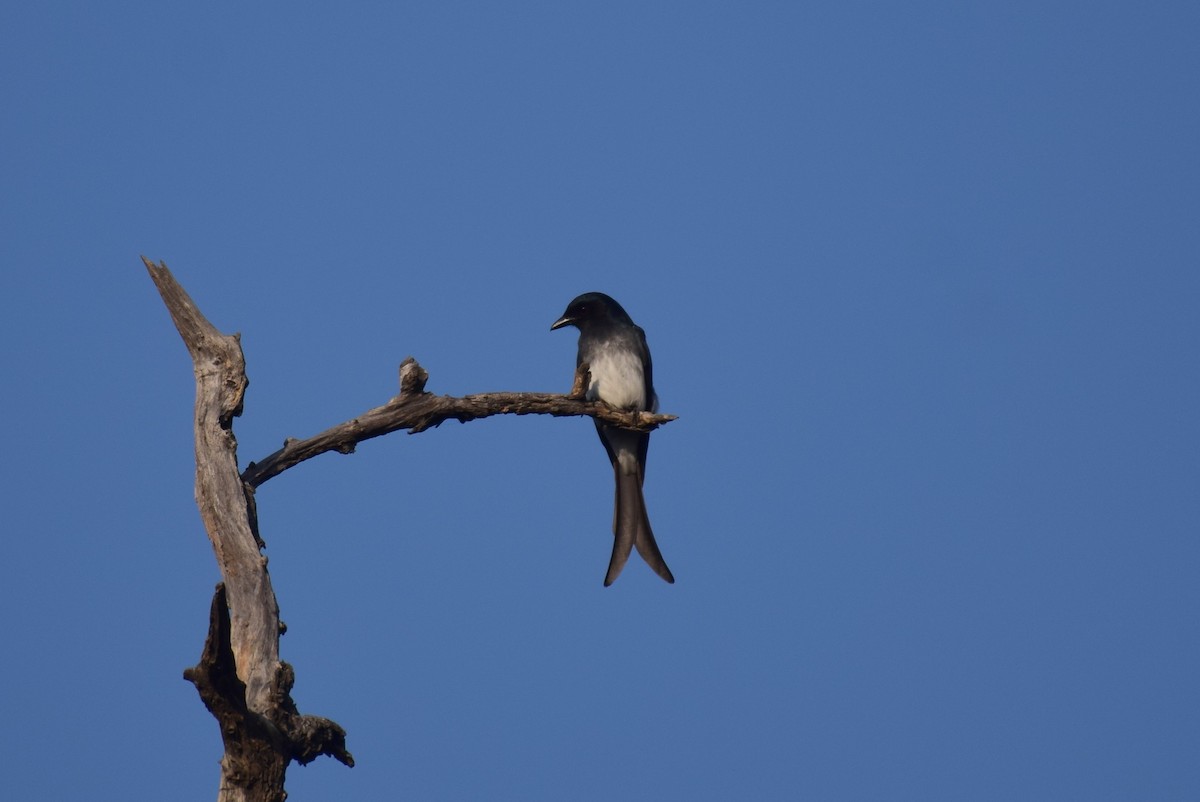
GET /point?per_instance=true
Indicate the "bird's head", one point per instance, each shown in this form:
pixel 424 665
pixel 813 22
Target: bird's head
pixel 589 308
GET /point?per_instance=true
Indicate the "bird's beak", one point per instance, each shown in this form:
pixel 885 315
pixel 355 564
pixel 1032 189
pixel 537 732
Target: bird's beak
pixel 562 321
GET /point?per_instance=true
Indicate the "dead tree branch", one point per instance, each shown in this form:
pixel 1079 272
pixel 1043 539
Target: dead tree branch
pixel 240 677
pixel 416 410
pixel 258 748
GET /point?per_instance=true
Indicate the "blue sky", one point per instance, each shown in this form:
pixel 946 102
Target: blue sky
pixel 921 281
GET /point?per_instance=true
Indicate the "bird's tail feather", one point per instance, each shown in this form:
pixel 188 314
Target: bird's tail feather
pixel 631 527
pixel 626 521
pixel 647 546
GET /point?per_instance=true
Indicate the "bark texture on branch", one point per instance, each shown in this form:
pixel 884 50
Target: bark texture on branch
pixel 258 747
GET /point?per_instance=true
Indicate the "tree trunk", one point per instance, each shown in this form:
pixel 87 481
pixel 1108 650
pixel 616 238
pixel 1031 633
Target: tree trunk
pixel 240 677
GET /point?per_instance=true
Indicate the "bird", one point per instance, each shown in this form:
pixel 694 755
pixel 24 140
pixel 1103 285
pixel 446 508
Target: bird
pixel 621 375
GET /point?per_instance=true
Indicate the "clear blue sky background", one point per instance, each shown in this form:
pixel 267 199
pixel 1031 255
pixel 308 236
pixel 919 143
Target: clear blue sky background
pixel 921 281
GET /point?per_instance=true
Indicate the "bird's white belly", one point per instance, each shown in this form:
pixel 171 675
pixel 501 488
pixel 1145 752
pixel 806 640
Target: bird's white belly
pixel 617 380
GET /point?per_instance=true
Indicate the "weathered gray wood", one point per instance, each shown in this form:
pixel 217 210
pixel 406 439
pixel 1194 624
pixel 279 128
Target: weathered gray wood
pixel 220 371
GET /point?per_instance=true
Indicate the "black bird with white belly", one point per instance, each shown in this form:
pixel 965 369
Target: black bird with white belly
pixel 615 349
